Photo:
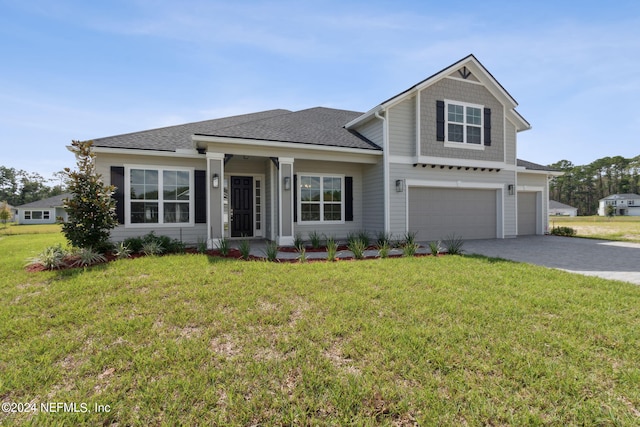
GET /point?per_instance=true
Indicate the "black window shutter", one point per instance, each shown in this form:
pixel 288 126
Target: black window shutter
pixel 200 191
pixel 295 198
pixel 348 198
pixel 440 120
pixel 487 127
pixel 117 180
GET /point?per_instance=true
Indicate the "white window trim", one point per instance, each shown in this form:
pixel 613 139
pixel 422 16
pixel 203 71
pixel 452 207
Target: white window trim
pixel 464 144
pixel 160 223
pixel 322 202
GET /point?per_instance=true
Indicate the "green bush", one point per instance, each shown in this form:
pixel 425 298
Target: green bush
pixel 332 248
pixel 272 251
pixel 563 231
pixel 52 258
pixel 315 239
pixel 453 244
pixel 245 249
pixel 87 256
pixel 224 246
pixel 358 247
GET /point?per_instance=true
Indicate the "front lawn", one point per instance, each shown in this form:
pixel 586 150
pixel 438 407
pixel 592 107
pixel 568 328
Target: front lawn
pixel 623 228
pixel 194 340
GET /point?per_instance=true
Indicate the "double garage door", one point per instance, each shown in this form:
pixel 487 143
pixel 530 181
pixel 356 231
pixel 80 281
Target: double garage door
pixel 435 213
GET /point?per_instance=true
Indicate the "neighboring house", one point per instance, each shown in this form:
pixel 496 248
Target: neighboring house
pixel 624 204
pixel 560 209
pixel 45 211
pixel 436 159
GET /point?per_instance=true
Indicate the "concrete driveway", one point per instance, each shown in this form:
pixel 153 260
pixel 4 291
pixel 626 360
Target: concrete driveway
pixel 602 258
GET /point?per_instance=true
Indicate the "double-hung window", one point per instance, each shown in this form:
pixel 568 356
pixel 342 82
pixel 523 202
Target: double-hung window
pixel 160 196
pixel 464 123
pixel 321 198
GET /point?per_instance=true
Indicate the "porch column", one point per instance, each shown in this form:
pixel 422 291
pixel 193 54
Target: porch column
pixel 215 198
pixel 285 192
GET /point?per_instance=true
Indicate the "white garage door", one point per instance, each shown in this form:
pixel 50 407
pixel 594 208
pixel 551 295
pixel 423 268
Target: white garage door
pixel 435 213
pixel 527 214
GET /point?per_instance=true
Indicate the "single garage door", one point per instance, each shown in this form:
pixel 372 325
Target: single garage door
pixel 527 214
pixel 435 213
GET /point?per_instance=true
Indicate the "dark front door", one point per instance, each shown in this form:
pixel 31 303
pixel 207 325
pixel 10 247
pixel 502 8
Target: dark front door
pixel 242 206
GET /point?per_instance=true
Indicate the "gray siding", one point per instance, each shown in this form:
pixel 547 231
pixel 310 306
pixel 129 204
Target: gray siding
pixel 510 147
pixel 188 235
pixel 373 198
pixel 372 130
pixel 398 201
pixel 457 90
pixel 402 128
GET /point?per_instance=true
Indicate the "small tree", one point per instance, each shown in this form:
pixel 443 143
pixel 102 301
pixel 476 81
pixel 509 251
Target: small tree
pixel 610 211
pixel 91 209
pixel 5 213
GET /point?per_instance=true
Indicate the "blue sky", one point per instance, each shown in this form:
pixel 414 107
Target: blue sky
pixel 85 69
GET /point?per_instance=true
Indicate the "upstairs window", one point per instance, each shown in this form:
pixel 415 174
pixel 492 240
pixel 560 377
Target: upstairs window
pixel 463 123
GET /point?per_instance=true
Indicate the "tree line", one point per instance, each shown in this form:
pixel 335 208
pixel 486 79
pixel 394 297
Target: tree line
pixel 18 187
pixel 583 186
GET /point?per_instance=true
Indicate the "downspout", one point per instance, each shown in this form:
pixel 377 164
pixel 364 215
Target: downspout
pixel 385 170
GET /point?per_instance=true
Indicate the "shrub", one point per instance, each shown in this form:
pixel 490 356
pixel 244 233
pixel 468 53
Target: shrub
pixel 90 209
pixel 87 256
pixel 152 247
pixel 122 251
pixel 315 239
pixel 434 247
pixel 303 255
pixel 175 246
pixel 272 251
pixel 563 231
pixel 358 247
pixel 332 248
pixel 409 249
pixel 201 245
pixel 363 235
pixel 409 238
pixel 298 243
pixel 134 244
pixel 383 238
pixel 383 249
pixel 245 249
pixel 51 258
pixel 453 244
pixel 224 246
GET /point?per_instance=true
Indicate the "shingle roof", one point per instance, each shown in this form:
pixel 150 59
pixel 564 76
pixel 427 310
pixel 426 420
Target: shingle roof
pixel 557 205
pixel 316 126
pixel 534 166
pixel 171 138
pixel 625 196
pixel 51 202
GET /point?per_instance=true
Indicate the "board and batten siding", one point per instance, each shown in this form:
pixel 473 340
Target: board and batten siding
pixel 342 229
pixel 398 200
pixel 402 128
pixel 458 90
pixel 188 234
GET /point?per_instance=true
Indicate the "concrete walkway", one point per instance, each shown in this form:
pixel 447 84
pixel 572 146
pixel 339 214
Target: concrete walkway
pixel 602 258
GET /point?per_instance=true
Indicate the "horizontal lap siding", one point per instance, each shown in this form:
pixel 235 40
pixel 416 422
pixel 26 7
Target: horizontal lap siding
pixel 373 198
pixel 188 235
pixel 402 128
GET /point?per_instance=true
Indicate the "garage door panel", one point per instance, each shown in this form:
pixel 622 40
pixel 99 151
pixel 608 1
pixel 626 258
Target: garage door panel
pixel 527 213
pixel 435 213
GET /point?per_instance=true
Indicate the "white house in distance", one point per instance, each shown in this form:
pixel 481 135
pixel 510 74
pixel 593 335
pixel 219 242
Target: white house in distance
pixel 625 204
pixel 44 211
pixel 560 209
pixel 437 158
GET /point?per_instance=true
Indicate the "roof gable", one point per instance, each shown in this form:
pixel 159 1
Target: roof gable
pixel 468 68
pixel 50 202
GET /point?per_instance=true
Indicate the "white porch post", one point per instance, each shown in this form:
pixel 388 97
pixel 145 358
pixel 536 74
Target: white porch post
pixel 215 199
pixel 285 190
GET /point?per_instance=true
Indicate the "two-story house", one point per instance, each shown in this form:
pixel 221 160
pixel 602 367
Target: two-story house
pixel 623 204
pixel 436 159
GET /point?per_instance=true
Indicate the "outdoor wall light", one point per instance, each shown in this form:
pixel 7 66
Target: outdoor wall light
pixel 510 188
pixel 215 181
pixel 287 183
pixel 399 185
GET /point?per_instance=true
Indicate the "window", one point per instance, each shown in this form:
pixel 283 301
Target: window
pixel 160 196
pixel 321 198
pixel 37 215
pixel 463 123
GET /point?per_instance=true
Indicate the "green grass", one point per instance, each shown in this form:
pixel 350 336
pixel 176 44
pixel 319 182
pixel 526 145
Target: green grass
pixel 15 229
pixel 622 228
pixel 193 340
